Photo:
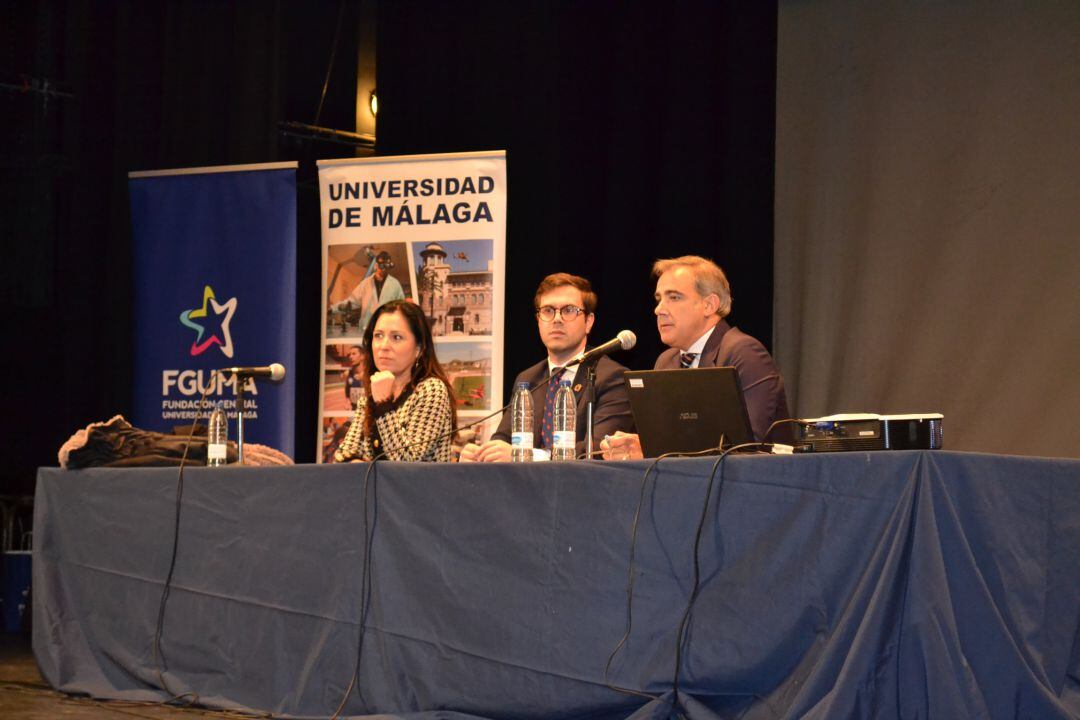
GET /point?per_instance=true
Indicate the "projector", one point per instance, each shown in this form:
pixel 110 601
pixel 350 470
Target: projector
pixel 865 431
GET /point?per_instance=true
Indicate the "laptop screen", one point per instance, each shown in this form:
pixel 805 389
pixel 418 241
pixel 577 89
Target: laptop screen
pixel 688 410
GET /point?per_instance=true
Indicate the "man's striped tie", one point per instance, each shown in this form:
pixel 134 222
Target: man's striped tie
pixel 687 359
pixel 547 429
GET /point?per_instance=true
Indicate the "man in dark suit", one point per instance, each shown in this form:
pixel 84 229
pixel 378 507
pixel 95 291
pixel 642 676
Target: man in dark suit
pixel 565 311
pixel 692 299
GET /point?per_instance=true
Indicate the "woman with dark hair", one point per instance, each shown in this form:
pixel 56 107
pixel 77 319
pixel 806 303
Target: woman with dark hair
pixel 406 411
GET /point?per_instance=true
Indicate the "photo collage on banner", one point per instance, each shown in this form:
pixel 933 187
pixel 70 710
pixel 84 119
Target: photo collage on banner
pixel 427 229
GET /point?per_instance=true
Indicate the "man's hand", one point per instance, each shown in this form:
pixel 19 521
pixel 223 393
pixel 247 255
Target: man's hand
pixel 494 451
pixel 491 451
pixel 470 453
pixel 621 446
pixel 382 386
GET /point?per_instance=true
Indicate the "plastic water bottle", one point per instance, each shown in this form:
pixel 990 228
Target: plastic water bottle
pixel 217 433
pixel 521 425
pixel 564 432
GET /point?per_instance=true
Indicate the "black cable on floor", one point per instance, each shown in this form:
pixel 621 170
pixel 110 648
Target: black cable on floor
pixel 630 572
pixel 696 586
pixel 158 655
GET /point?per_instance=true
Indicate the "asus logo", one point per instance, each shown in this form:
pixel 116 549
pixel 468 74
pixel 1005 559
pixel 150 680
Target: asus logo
pixel 688 416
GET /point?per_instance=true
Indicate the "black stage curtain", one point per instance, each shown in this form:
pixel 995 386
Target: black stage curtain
pixel 633 130
pixel 144 86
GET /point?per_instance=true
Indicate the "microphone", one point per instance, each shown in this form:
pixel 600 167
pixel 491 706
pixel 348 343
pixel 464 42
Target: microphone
pixel 274 373
pixel 624 341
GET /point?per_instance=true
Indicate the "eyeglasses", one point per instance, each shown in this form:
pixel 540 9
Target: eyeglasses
pixel 568 313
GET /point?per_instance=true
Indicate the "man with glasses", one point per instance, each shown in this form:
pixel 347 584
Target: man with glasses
pixel 565 311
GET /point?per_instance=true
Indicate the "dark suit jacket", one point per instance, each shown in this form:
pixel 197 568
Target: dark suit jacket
pixel 762 385
pixel 610 413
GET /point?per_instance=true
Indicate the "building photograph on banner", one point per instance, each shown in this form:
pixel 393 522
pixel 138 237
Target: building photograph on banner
pixel 456 284
pixel 429 230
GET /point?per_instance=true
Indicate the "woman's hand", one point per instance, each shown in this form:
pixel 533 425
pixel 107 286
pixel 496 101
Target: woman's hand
pixel 382 386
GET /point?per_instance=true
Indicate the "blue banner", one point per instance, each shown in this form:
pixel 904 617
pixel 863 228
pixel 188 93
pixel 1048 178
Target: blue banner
pixel 214 287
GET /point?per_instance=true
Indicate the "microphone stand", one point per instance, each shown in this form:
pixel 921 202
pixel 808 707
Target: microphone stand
pixel 241 381
pixel 590 397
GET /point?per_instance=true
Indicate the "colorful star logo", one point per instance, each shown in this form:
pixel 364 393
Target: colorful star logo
pixel 221 336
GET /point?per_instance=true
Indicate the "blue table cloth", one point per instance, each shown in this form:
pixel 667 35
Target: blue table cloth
pixel 847 585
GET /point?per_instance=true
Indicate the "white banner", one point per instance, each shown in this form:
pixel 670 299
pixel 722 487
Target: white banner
pixel 429 228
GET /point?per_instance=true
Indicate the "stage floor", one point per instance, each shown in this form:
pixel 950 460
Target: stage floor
pixel 24 694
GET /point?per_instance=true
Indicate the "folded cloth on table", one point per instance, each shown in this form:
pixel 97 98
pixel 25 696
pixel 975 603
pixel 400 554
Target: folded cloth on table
pixel 117 443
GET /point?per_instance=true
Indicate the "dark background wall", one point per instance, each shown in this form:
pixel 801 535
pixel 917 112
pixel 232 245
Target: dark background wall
pixel 633 131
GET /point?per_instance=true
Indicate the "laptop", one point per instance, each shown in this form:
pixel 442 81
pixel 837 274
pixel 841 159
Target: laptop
pixel 688 410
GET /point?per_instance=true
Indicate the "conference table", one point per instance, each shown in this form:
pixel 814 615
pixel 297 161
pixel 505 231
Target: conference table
pixel 911 584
